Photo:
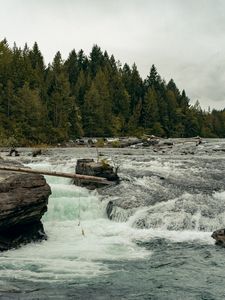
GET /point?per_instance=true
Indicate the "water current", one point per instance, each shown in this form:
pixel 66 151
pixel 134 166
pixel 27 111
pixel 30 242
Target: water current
pixel 157 244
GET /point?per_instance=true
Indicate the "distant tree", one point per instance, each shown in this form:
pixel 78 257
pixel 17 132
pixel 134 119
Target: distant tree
pixel 72 68
pixel 63 110
pixel 96 60
pixel 94 116
pixel 152 78
pixel 150 110
pixel 134 126
pixel 6 57
pixel 30 116
pixel 92 95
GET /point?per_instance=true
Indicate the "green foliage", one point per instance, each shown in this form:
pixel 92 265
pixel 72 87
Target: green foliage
pixel 104 163
pixel 150 109
pixel 116 144
pixel 8 142
pixel 100 143
pixel 92 96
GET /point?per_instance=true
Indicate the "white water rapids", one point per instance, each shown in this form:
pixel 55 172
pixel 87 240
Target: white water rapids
pixel 81 238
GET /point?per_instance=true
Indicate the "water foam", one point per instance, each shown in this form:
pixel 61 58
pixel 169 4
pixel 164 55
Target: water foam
pixel 197 212
pixel 81 239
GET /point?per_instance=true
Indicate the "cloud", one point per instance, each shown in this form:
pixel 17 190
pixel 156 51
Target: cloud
pixel 184 39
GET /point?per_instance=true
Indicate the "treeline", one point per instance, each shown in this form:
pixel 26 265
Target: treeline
pixel 91 96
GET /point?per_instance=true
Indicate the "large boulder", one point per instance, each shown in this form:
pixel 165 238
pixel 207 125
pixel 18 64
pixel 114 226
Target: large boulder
pixel 98 169
pixel 219 236
pixel 23 201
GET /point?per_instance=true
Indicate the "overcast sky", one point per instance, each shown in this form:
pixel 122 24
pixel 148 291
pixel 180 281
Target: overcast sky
pixel 185 39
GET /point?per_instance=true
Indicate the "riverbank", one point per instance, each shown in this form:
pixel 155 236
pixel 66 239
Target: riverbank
pixel 113 142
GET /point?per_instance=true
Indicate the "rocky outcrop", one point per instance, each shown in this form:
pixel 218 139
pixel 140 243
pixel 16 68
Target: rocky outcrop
pixel 36 152
pixel 23 201
pixel 98 169
pixel 13 151
pixel 219 236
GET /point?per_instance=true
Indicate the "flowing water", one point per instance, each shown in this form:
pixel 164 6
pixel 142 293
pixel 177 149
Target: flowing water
pixel 157 245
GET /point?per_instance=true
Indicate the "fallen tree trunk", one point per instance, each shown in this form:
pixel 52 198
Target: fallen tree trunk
pixel 59 174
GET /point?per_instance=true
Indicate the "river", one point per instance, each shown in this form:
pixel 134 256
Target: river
pixel 157 246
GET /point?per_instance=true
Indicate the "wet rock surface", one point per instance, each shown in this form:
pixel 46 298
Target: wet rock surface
pixel 23 201
pixel 98 169
pixel 167 189
pixel 219 236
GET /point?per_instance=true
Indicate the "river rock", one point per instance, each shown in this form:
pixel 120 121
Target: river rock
pixel 98 169
pixel 36 152
pixel 219 236
pixel 23 201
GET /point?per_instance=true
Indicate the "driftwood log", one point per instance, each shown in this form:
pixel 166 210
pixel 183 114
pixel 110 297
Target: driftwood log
pixel 88 178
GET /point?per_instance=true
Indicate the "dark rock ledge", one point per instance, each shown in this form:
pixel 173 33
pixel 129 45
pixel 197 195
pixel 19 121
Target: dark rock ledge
pixel 219 236
pixel 23 201
pixel 99 169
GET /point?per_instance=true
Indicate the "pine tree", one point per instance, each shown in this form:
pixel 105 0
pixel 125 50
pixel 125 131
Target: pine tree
pixel 94 115
pixel 29 115
pixel 136 91
pixel 36 61
pixel 134 127
pixel 6 57
pixel 150 110
pixel 62 107
pixel 40 104
pixel 96 60
pixel 72 68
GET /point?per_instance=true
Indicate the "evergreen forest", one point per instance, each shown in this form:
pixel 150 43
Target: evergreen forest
pixel 92 96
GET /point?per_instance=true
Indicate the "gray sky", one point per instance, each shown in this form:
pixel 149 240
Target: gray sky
pixel 185 39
